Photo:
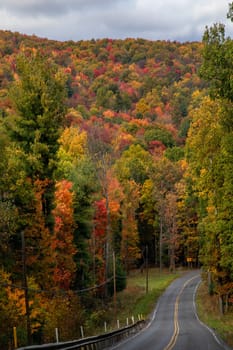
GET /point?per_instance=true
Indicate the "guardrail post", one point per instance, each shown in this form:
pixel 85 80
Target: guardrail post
pixel 15 337
pixel 56 334
pixel 99 342
pixel 82 332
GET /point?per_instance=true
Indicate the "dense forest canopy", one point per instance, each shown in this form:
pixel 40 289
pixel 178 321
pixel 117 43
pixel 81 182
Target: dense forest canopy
pixel 109 148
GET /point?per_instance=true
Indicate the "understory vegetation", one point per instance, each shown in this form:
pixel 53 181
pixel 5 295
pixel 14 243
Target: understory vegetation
pixel 211 315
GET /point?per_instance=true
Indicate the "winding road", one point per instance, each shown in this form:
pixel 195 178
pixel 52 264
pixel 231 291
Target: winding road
pixel 174 324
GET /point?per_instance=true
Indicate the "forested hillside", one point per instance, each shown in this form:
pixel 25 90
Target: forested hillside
pixel 96 164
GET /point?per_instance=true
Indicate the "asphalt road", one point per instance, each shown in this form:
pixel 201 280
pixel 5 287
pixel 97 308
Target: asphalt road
pixel 174 324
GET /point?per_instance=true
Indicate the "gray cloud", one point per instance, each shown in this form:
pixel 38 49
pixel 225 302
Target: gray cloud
pixel 53 7
pixel 182 20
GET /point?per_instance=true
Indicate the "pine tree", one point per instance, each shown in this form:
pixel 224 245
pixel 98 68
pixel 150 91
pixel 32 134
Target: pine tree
pixel 38 97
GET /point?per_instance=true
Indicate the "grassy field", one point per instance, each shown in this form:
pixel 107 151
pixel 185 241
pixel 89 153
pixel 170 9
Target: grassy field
pixel 208 312
pixel 135 301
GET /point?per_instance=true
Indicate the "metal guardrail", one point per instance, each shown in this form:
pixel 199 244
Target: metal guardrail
pixel 98 342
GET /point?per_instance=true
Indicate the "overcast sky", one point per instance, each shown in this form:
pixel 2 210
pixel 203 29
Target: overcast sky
pixel 181 20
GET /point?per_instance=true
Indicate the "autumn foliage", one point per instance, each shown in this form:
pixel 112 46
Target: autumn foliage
pixel 101 158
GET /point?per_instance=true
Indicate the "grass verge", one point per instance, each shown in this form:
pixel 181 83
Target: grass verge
pixel 134 301
pixel 208 312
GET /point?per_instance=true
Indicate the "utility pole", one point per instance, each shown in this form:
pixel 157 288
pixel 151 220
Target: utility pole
pixel 25 286
pixel 147 279
pixel 114 282
pixel 160 245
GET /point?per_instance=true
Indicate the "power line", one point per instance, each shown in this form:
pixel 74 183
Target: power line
pixel 54 292
pixel 60 291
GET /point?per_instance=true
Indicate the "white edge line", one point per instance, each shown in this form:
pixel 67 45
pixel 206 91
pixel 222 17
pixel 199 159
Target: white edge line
pixel 203 324
pixel 142 330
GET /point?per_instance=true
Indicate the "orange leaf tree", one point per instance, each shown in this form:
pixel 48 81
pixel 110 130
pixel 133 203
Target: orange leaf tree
pixel 62 242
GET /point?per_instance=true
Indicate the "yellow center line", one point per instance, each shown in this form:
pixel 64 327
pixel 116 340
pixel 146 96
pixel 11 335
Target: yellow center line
pixel 176 320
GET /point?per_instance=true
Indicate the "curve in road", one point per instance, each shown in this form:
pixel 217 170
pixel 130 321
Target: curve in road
pixel 174 324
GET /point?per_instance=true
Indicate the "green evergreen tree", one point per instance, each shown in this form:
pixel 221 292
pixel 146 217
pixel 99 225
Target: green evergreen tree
pixel 38 97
